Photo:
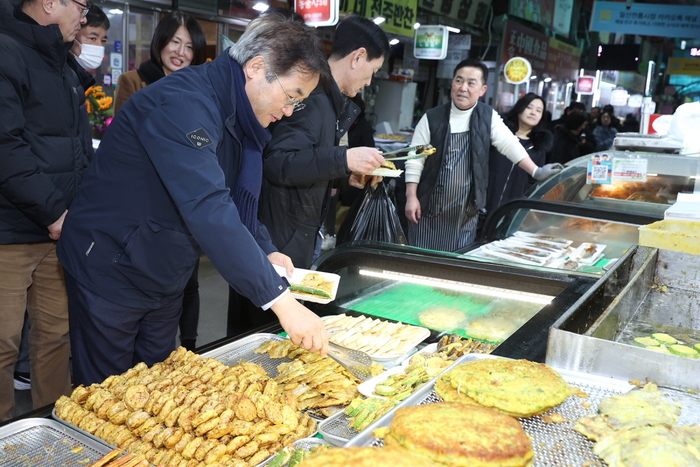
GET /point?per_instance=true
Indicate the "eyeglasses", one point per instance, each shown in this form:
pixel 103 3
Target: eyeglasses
pixel 291 101
pixel 85 8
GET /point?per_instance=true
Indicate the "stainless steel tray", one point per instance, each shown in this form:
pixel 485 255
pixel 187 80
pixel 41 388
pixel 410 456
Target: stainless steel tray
pixel 304 443
pixel 46 443
pixel 243 350
pixel 336 429
pixel 86 434
pixel 554 444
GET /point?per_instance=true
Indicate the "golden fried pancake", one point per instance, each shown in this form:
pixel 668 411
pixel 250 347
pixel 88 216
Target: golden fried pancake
pixel 442 318
pixel 651 446
pixel 637 408
pixel 367 457
pixel 520 388
pixel 444 389
pixel 459 435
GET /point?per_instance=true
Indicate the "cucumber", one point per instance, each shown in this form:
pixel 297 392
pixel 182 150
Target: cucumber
pixel 646 341
pixel 664 338
pixel 683 351
pixel 697 347
pixel 309 290
pixel 384 390
pixel 297 457
pixel 661 349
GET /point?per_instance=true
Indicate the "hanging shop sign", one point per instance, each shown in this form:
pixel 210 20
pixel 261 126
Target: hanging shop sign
pixel 683 66
pixel 472 12
pixel 521 41
pixel 553 14
pixel 517 70
pixel 585 85
pixel 563 59
pixel 400 15
pixel 318 12
pixel 431 42
pixel 682 21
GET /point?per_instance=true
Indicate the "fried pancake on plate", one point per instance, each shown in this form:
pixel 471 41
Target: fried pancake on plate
pixel 368 457
pixel 461 435
pixel 520 388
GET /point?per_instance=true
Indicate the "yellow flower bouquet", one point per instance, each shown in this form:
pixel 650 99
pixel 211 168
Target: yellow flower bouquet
pixel 99 108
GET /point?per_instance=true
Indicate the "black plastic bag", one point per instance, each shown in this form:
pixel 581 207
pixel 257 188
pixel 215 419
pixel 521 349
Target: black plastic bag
pixel 372 216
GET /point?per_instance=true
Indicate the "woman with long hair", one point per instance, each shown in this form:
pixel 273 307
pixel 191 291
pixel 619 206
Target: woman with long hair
pixel 526 122
pixel 178 42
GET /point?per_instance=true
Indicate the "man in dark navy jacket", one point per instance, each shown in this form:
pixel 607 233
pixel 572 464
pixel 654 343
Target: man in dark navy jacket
pixel 179 173
pixel 42 162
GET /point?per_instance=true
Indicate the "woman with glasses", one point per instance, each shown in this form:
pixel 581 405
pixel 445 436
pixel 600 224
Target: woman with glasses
pixel 178 42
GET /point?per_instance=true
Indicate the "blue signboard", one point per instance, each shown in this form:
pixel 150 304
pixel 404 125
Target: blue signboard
pixel 680 21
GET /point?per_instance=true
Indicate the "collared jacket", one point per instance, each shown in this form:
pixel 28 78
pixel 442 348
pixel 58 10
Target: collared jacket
pixel 42 159
pixel 301 162
pixel 158 193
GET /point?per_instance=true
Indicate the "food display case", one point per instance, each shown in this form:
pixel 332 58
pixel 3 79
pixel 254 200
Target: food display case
pixel 667 175
pixel 600 220
pixel 510 307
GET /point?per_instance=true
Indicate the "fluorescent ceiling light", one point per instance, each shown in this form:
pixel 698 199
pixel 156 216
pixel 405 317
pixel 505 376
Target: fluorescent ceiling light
pixel 547 80
pixel 416 25
pixel 261 6
pixel 393 42
pixel 379 20
pixel 533 77
pixel 451 29
pixel 115 11
pixel 460 286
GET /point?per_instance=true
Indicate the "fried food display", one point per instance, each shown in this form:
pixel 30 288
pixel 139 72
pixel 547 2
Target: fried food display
pixel 651 446
pixel 362 412
pixel 368 457
pixel 190 411
pixel 316 382
pixel 520 388
pixel 374 336
pixel 456 434
pixel 638 429
pixel 637 408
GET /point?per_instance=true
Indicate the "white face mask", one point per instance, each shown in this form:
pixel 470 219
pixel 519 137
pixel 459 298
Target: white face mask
pixel 91 56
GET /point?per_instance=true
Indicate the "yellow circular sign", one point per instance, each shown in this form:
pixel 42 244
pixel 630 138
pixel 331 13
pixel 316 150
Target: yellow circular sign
pixel 517 70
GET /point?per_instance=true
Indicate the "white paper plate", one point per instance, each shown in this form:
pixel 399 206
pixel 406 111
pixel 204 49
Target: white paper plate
pixel 299 275
pixel 381 172
pixel 576 255
pixel 367 388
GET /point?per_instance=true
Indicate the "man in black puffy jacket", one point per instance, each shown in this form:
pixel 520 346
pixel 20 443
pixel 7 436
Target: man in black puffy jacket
pixel 42 162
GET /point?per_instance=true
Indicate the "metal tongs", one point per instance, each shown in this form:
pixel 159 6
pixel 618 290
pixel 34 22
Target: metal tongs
pixel 355 361
pixel 422 150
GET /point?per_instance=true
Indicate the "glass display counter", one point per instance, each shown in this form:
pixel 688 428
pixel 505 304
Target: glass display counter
pixel 667 175
pixel 510 307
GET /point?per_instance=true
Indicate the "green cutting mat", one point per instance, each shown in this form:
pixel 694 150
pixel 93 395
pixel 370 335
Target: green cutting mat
pixel 405 302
